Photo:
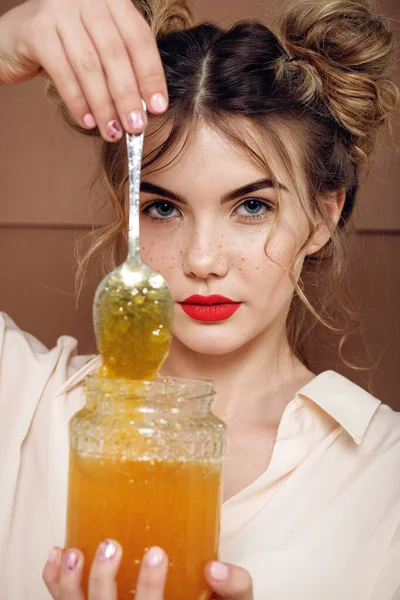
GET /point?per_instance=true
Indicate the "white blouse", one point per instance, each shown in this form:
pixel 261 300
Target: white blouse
pixel 321 523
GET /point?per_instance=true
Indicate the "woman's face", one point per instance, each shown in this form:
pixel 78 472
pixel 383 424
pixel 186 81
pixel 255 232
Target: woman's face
pixel 204 225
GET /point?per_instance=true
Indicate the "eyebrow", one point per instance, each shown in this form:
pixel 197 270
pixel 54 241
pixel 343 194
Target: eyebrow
pixel 245 190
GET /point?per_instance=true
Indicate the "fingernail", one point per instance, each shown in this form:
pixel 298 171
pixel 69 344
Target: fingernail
pixel 154 557
pixel 70 560
pixel 53 555
pixel 114 130
pixel 136 120
pixel 158 103
pixel 89 121
pixel 218 571
pixel 106 550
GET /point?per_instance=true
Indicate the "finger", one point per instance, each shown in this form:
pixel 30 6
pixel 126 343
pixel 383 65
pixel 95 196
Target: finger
pixel 143 51
pixel 152 575
pixel 51 571
pixel 69 582
pixel 56 66
pixel 118 69
pixel 88 69
pixel 229 582
pixel 102 585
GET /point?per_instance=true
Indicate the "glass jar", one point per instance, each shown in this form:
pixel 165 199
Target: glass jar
pixel 145 469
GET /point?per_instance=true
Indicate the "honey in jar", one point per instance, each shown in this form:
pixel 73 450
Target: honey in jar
pixel 145 469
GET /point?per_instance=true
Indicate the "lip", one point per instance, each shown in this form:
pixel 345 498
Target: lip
pixel 208 300
pixel 209 309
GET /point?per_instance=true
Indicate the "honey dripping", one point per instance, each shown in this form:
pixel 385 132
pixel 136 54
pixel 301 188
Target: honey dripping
pixel 133 322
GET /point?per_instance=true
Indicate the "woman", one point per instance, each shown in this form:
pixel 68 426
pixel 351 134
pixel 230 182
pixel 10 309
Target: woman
pixel 250 176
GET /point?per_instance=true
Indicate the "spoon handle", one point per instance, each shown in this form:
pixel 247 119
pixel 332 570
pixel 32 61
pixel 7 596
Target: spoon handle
pixel 135 149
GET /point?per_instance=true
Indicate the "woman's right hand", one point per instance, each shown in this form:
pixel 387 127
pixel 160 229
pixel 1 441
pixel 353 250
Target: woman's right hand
pixel 100 54
pixel 63 573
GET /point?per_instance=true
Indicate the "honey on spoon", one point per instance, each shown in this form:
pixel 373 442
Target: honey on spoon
pixel 133 309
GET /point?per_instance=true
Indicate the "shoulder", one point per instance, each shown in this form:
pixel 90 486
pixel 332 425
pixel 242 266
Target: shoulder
pixel 367 454
pixel 384 428
pixel 363 416
pixel 12 336
pixel 376 424
pixel 27 365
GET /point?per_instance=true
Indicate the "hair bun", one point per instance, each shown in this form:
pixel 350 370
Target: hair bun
pixel 165 16
pixel 344 49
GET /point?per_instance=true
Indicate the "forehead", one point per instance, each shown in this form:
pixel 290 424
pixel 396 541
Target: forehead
pixel 206 152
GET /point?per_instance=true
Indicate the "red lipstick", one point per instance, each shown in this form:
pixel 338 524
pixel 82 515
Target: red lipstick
pixel 209 308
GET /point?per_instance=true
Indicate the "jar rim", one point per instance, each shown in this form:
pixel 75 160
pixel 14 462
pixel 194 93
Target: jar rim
pixel 161 387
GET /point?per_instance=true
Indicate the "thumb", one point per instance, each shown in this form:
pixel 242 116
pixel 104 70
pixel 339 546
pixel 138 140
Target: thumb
pixel 229 582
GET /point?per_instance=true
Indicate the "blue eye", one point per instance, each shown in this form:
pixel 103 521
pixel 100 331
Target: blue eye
pixel 252 207
pixel 162 209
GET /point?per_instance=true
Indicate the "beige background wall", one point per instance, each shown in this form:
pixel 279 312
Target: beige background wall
pixel 46 203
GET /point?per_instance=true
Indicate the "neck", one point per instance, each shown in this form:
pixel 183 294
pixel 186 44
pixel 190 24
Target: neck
pixel 258 379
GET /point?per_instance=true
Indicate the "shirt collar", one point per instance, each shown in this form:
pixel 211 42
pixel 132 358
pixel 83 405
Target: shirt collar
pixel 347 403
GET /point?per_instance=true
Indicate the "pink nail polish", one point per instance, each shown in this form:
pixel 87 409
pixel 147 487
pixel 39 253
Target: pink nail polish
pixel 158 103
pixel 114 130
pixel 136 120
pixel 106 550
pixel 154 556
pixel 89 121
pixel 53 555
pixel 70 560
pixel 218 571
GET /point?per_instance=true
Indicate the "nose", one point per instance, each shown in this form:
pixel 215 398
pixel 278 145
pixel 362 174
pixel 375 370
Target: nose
pixel 205 253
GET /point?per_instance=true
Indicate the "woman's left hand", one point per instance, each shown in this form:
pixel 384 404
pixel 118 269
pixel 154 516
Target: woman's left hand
pixel 229 582
pixel 63 573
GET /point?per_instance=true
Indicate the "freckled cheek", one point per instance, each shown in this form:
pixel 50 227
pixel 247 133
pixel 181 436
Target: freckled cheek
pixel 282 247
pixel 160 254
pixel 267 260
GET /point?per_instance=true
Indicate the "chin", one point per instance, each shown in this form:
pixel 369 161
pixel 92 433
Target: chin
pixel 214 340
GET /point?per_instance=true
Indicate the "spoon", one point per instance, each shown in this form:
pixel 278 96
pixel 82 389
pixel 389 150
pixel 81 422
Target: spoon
pixel 133 308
